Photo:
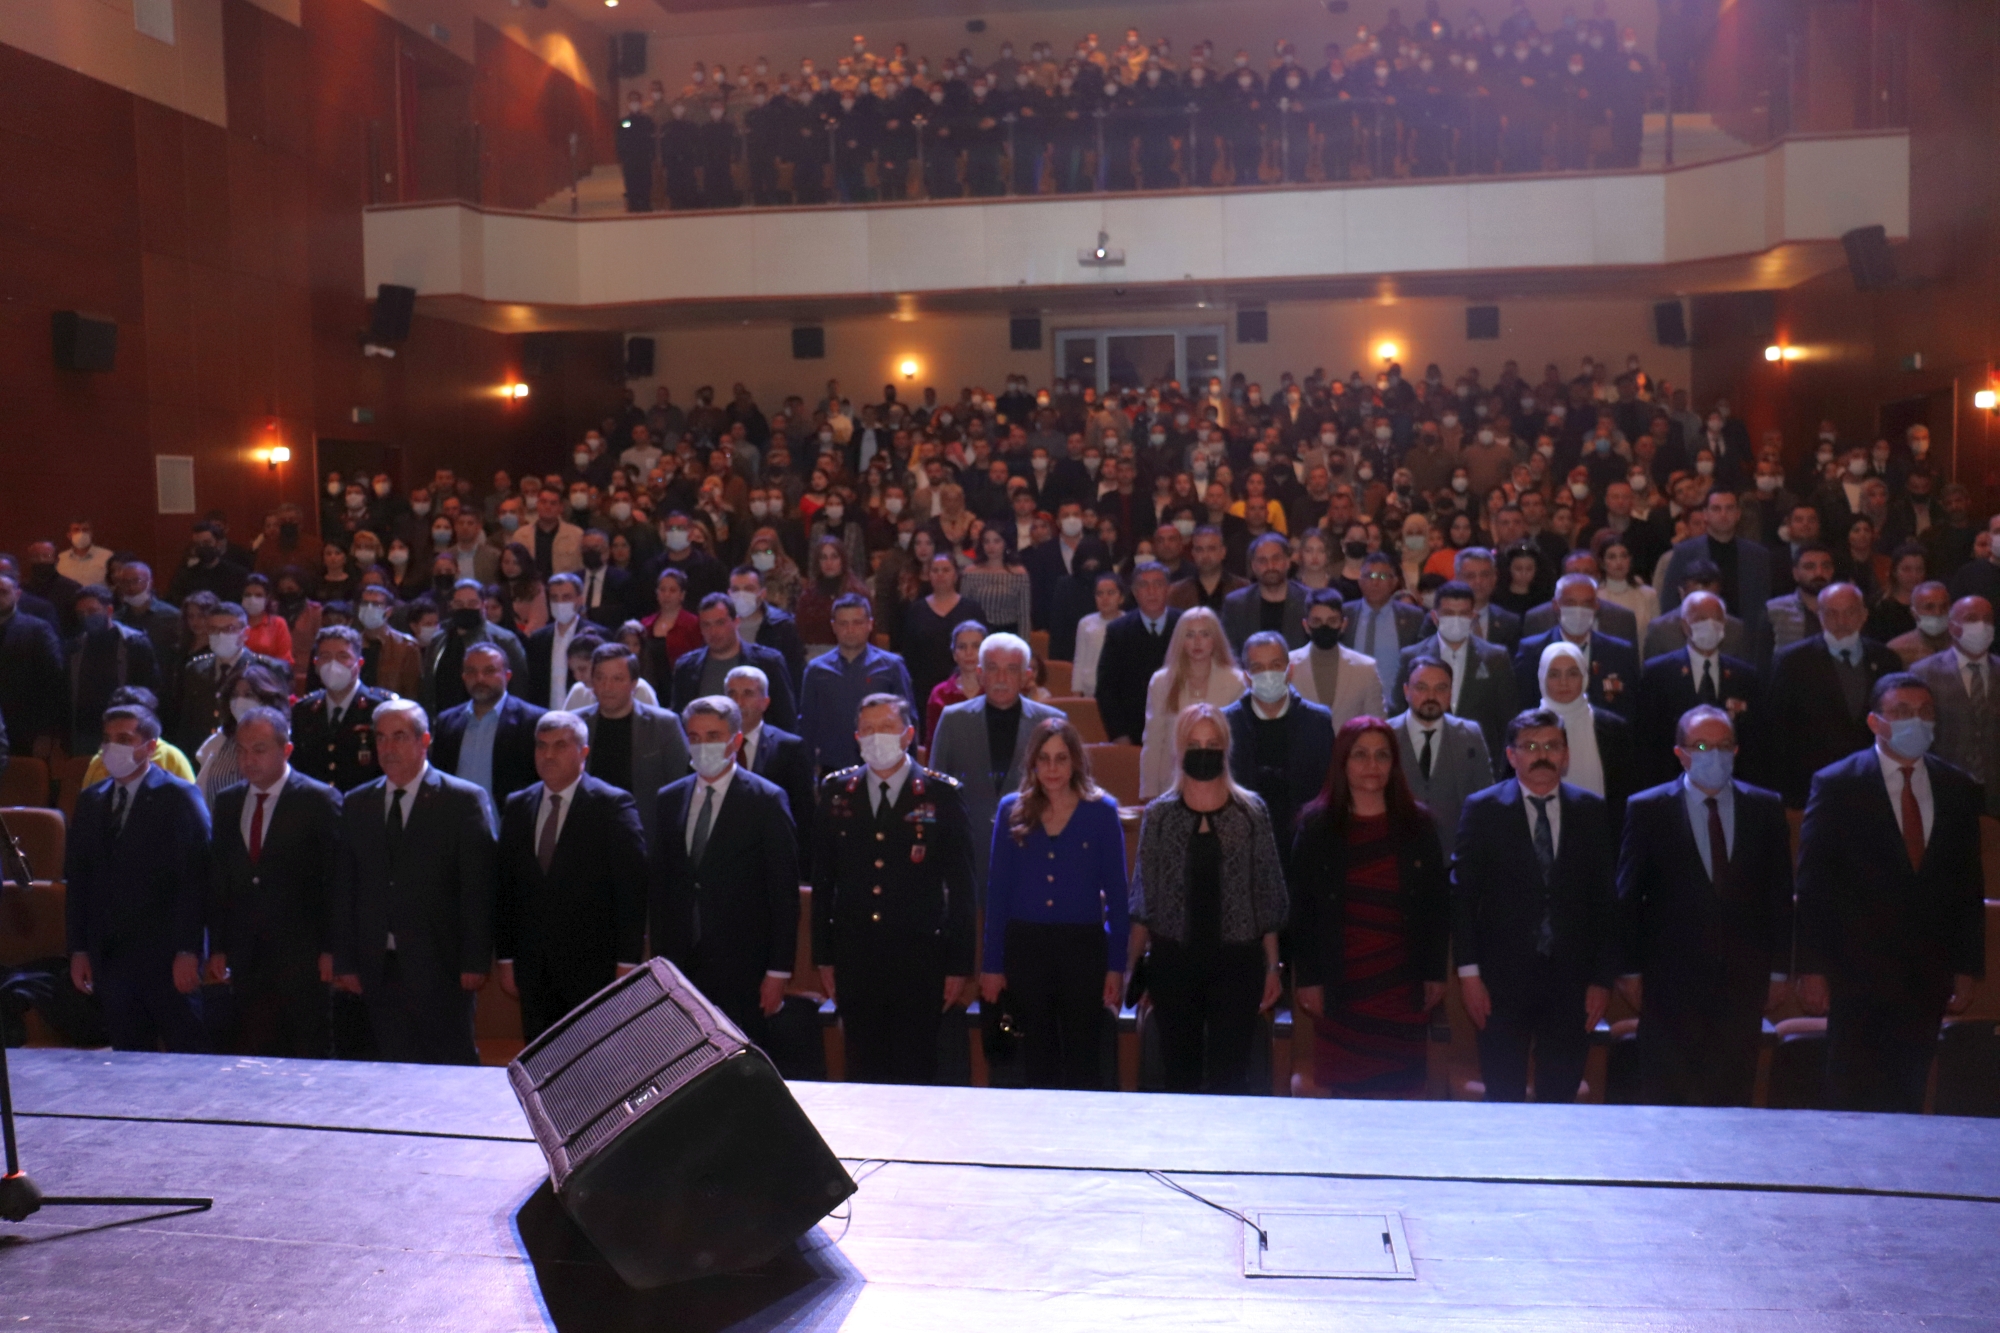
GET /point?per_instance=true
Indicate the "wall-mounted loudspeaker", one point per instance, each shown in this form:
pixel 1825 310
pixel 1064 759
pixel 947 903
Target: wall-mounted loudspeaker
pixel 1024 333
pixel 83 343
pixel 393 308
pixel 809 344
pixel 1482 321
pixel 1868 258
pixel 638 358
pixel 1670 324
pixel 1253 326
pixel 628 54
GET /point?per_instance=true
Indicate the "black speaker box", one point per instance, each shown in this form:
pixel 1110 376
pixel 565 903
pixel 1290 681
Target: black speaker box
pixel 628 54
pixel 809 344
pixel 83 343
pixel 638 358
pixel 1868 258
pixel 672 1142
pixel 1253 326
pixel 1482 321
pixel 1670 324
pixel 540 354
pixel 1024 333
pixel 393 307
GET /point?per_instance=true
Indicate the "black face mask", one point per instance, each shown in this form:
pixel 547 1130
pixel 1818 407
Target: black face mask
pixel 1326 638
pixel 467 618
pixel 1202 765
pixel 1355 550
pixel 593 559
pixel 442 583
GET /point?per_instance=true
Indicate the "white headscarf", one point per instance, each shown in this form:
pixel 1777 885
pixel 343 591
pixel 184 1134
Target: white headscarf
pixel 1586 768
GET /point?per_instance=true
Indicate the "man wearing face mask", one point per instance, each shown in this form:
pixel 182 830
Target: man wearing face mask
pixel 1962 683
pixel 1817 692
pixel 1070 557
pixel 703 573
pixel 137 866
pixel 1705 890
pixel 1891 928
pixel 82 560
pixel 391 660
pixel 607 590
pixel 201 679
pixel 464 623
pixel 1327 672
pixel 1700 672
pixel 333 728
pixel 103 656
pixel 206 570
pixel 1482 676
pixel 160 623
pixel 1280 745
pixel 1930 606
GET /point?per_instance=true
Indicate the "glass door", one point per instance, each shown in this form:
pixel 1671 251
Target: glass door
pixel 1115 359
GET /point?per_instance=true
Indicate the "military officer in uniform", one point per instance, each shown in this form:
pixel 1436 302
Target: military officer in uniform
pixel 893 914
pixel 333 729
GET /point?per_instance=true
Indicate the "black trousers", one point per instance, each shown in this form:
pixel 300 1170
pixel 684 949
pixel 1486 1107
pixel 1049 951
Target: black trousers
pixel 420 1021
pixel 1702 1051
pixel 1055 975
pixel 142 1010
pixel 1878 1057
pixel 734 990
pixel 546 996
pixel 1205 1002
pixel 1544 1015
pixel 890 1011
pixel 282 1009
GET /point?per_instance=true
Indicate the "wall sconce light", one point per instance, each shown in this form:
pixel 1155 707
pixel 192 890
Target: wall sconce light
pixel 514 390
pixel 908 367
pixel 1986 400
pixel 1777 353
pixel 280 453
pixel 1386 350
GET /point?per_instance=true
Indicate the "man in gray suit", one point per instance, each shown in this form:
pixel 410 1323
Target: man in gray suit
pixel 1744 566
pixel 1379 627
pixel 1612 619
pixel 1962 683
pixel 636 747
pixel 1444 757
pixel 413 897
pixel 983 742
pixel 1326 672
pixel 1273 601
pixel 1667 632
pixel 1482 689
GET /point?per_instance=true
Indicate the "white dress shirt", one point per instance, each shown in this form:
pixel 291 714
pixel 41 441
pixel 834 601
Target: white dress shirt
pixel 1713 661
pixel 270 795
pixel 1920 783
pixel 559 681
pixel 702 786
pixel 895 781
pixel 568 795
pixel 1418 729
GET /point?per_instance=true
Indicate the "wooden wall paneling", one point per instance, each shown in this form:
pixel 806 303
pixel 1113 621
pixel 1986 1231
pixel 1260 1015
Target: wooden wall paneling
pixel 161 170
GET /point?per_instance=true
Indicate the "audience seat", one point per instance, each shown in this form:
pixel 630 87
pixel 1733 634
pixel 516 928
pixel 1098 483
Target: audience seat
pixel 69 783
pixel 1082 711
pixel 1038 639
pixel 25 782
pixel 40 831
pixel 31 923
pixel 1116 768
pixel 1055 677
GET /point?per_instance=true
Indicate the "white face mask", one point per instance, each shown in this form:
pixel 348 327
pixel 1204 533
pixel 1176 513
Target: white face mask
pixel 1581 490
pixel 240 706
pixel 1486 437
pixel 1072 527
pixel 371 615
pixel 226 647
pixel 1975 636
pixel 1269 686
pixel 882 751
pixel 119 761
pixel 746 603
pixel 1767 484
pixel 1639 481
pixel 1461 484
pixel 1454 629
pixel 336 676
pixel 677 539
pixel 711 759
pixel 1577 620
pixel 563 613
pixel 763 561
pixel 1707 634
pixel 1184 526
pixel 254 605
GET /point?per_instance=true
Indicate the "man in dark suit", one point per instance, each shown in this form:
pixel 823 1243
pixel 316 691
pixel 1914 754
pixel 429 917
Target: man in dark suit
pixel 724 901
pixel 763 624
pixel 137 862
pixel 549 678
pixel 1068 554
pixel 1613 662
pixel 1135 646
pixel 635 747
pixel 569 912
pixel 893 903
pixel 1816 699
pixel 333 729
pixel 1445 758
pixel 702 671
pixel 1280 746
pixel 1476 569
pixel 1744 566
pixel 489 740
pixel 1705 883
pixel 776 755
pixel 1700 673
pixel 413 898
pixel 1892 930
pixel 1534 917
pixel 159 622
pixel 1274 601
pixel 103 657
pixel 607 590
pixel 276 843
pixel 1482 678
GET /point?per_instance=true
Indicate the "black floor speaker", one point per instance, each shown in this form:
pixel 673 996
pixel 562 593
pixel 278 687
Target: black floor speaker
pixel 671 1140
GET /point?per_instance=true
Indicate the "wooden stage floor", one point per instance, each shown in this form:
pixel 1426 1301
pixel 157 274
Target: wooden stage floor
pixel 353 1196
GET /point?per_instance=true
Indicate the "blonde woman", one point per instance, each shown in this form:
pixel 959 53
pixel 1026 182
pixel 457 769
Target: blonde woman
pixel 1208 901
pixel 1199 670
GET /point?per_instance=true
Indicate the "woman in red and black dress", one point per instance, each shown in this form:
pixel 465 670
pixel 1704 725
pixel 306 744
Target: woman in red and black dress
pixel 1370 920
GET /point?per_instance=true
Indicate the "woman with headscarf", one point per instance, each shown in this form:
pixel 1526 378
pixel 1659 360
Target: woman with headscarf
pixel 1600 742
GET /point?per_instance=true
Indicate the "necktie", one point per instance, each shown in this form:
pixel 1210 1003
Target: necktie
pixel 882 806
pixel 1707 691
pixel 1913 820
pixel 545 846
pixel 393 835
pixel 257 831
pixel 698 844
pixel 1718 845
pixel 1424 759
pixel 120 799
pixel 1980 734
pixel 1545 841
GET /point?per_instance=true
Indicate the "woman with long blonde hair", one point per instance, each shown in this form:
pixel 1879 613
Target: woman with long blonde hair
pixel 1199 669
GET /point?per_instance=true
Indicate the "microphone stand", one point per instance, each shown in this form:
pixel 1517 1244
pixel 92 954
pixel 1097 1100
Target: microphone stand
pixel 20 1197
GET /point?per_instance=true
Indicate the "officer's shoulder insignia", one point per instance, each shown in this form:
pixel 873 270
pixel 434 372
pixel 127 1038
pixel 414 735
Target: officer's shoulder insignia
pixel 315 700
pixel 932 775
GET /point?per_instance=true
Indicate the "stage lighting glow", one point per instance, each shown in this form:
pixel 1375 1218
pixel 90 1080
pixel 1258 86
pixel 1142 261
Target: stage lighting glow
pixel 1386 350
pixel 280 453
pixel 1774 352
pixel 514 390
pixel 1986 400
pixel 908 367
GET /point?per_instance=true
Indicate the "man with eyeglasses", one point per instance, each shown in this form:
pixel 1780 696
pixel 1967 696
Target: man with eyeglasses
pixel 1705 887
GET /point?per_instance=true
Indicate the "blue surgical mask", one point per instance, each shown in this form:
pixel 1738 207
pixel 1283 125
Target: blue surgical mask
pixel 1911 737
pixel 1711 770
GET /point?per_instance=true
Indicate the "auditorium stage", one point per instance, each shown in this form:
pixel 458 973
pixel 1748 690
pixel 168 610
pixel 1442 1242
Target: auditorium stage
pixel 355 1196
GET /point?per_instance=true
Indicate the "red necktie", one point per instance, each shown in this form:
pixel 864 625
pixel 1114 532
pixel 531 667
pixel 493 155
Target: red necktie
pixel 257 831
pixel 1718 845
pixel 1913 821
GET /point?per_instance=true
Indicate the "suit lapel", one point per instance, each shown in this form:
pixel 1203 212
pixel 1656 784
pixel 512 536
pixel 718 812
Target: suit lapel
pixel 1022 737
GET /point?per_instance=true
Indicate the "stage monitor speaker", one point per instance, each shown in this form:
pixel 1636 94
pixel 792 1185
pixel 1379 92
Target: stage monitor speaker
pixel 1024 333
pixel 393 307
pixel 1670 324
pixel 638 358
pixel 1482 321
pixel 809 344
pixel 1253 326
pixel 671 1141
pixel 628 54
pixel 1868 258
pixel 83 343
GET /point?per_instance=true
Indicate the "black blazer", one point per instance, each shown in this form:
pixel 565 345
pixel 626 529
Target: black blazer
pixel 1497 892
pixel 274 911
pixel 1886 936
pixel 781 631
pixel 614 608
pixel 1308 755
pixel 1668 687
pixel 1318 879
pixel 513 744
pixel 33 692
pixel 436 893
pixel 777 672
pixel 138 897
pixel 1621 764
pixel 1810 726
pixel 783 760
pixel 588 913
pixel 1698 948
pixel 1614 671
pixel 735 915
pixel 541 671
pixel 1125 667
